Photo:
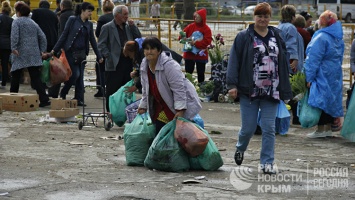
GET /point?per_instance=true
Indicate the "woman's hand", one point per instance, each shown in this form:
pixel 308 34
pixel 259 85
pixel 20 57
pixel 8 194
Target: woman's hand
pixel 293 65
pixel 179 113
pixel 45 56
pixel 309 84
pixel 133 74
pixel 101 60
pixel 141 110
pixel 15 52
pixel 130 89
pixel 233 93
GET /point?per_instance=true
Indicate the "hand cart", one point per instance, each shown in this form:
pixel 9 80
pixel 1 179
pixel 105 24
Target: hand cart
pixel 92 118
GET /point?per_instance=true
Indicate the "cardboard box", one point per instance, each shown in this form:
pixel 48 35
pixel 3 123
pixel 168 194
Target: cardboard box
pixel 20 102
pixel 64 113
pixel 58 104
pixel 73 103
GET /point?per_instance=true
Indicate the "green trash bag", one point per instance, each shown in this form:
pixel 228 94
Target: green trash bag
pixel 118 102
pixel 348 130
pixel 165 153
pixel 308 115
pixel 138 136
pixel 209 160
pixel 45 72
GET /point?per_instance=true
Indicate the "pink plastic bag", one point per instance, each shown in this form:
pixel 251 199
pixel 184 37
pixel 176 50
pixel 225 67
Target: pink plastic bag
pixel 191 138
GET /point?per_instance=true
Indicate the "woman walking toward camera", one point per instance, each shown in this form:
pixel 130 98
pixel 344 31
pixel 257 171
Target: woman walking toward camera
pixel 258 74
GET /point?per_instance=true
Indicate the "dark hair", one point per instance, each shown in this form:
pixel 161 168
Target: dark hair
pixel 84 6
pixel 153 43
pixel 23 9
pixel 67 4
pixel 287 12
pixel 263 9
pixel 131 47
pixel 306 15
pixel 44 4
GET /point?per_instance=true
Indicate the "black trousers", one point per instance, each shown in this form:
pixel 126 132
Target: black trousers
pixel 5 57
pixel 119 77
pixel 325 119
pixel 200 66
pixel 35 75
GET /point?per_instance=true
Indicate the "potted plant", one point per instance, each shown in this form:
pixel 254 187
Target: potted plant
pixel 218 67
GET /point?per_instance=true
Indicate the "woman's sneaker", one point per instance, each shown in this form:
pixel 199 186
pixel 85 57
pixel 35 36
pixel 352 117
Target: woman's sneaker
pixel 322 134
pixel 238 157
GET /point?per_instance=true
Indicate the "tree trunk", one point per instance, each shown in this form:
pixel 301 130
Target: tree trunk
pixel 189 9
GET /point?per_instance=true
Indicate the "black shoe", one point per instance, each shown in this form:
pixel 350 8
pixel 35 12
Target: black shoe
pixel 268 169
pixel 63 97
pixel 238 157
pixel 44 104
pixel 80 103
pixel 98 94
pixel 258 131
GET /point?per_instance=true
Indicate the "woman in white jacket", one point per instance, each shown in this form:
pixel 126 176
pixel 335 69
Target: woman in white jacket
pixel 166 93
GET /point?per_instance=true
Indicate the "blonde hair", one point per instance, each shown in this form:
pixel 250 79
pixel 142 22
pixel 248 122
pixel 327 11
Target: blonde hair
pixel 300 21
pixel 327 18
pixel 107 6
pixel 6 8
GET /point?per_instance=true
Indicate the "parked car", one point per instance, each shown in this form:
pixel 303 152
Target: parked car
pixel 249 10
pixel 231 10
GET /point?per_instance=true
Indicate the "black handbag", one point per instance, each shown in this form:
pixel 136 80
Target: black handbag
pixel 79 56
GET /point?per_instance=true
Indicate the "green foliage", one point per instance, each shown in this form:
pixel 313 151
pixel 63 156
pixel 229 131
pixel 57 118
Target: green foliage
pixel 214 50
pixel 298 83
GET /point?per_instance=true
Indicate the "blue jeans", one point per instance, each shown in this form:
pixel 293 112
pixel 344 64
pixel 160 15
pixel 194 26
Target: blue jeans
pixel 249 114
pixel 77 78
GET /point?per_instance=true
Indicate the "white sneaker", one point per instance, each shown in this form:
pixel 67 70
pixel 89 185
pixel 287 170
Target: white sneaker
pixel 317 134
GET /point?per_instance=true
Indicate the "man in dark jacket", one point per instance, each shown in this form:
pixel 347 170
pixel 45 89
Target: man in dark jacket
pixel 66 7
pixel 48 22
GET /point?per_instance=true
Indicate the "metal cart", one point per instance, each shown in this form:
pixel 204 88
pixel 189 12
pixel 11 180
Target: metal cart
pixel 92 118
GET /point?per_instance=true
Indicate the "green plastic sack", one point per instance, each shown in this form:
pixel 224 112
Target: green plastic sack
pixel 45 72
pixel 118 102
pixel 308 116
pixel 165 153
pixel 138 136
pixel 348 130
pixel 209 160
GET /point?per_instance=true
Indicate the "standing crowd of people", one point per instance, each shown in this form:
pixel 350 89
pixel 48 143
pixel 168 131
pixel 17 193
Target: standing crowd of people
pixel 262 58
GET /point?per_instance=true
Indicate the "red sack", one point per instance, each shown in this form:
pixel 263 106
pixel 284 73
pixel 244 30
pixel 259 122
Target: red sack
pixel 64 60
pixel 191 138
pixel 58 71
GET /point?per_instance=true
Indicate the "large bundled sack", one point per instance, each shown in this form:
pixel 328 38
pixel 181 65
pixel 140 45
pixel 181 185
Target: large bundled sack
pixel 118 102
pixel 348 130
pixel 209 160
pixel 138 136
pixel 308 116
pixel 165 153
pixel 282 123
pixel 190 136
pixel 58 71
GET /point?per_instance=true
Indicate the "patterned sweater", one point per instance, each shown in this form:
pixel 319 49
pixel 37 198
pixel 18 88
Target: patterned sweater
pixel 29 40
